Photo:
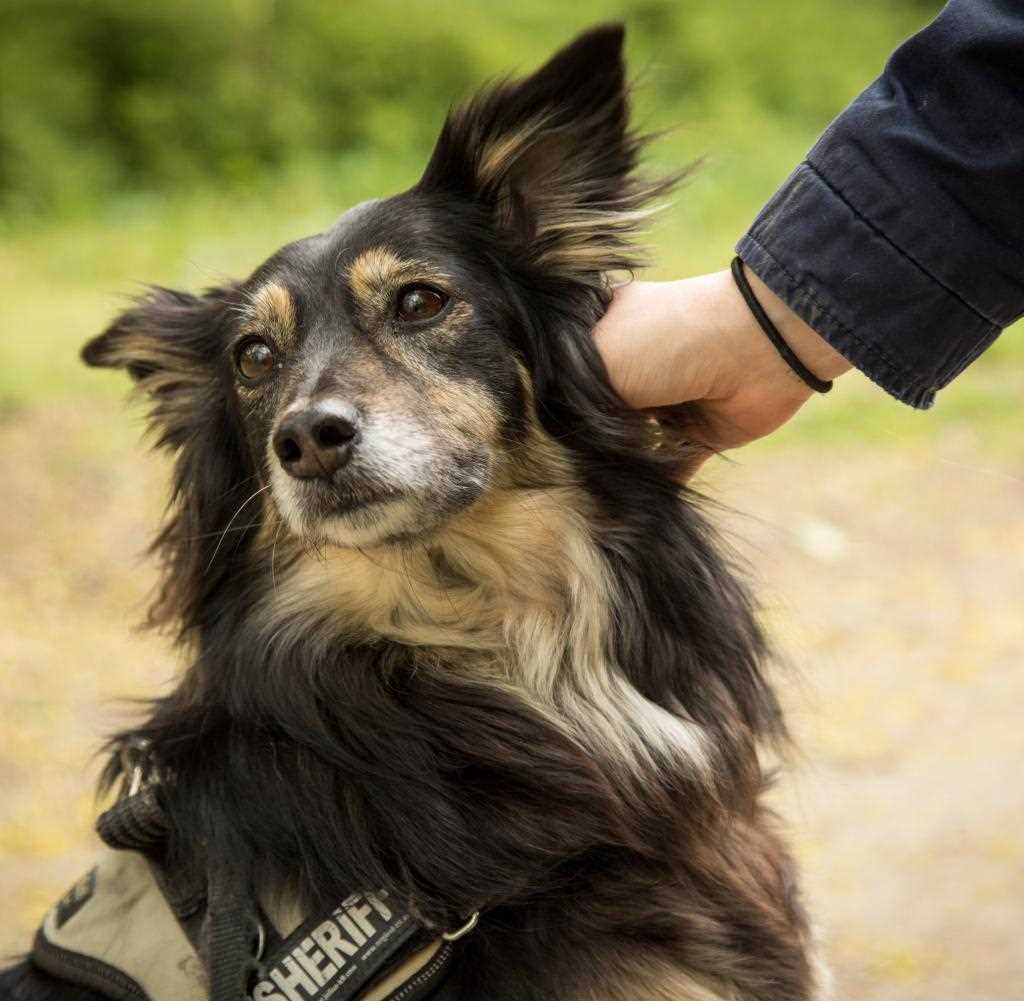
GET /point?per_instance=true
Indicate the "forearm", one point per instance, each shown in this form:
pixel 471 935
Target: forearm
pixel 899 240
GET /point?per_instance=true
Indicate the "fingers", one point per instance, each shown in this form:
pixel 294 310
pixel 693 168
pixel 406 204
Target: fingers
pixel 684 428
pixel 656 340
pixel 690 353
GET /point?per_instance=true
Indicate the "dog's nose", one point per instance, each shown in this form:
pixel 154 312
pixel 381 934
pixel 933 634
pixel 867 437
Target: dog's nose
pixel 317 441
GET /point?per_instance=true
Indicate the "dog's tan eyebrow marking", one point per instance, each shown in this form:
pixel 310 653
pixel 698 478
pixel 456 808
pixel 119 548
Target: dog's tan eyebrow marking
pixel 372 270
pixel 272 306
pixel 377 272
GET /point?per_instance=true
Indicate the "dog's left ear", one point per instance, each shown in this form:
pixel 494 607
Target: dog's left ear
pixel 551 156
pixel 172 343
pixel 166 332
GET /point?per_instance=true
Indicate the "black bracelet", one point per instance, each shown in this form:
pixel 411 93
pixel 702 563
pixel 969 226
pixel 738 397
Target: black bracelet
pixel 818 385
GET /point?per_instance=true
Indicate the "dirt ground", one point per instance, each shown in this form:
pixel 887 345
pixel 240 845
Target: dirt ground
pixel 892 580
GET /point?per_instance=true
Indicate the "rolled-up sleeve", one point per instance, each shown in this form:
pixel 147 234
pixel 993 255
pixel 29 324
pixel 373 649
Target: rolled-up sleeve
pixel 900 239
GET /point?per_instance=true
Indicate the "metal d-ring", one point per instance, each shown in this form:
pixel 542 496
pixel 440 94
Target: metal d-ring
pixel 454 936
pixel 134 764
pixel 261 940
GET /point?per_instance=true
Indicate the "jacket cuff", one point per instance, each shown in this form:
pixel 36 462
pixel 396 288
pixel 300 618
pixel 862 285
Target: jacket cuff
pixel 876 306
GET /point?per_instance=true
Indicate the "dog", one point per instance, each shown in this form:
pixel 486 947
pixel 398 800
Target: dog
pixel 456 633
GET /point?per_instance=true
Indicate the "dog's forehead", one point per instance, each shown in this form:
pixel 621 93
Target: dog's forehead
pixel 401 226
pixel 369 222
pixel 352 272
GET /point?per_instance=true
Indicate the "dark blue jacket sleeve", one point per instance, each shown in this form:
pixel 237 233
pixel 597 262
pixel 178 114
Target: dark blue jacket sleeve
pixel 900 238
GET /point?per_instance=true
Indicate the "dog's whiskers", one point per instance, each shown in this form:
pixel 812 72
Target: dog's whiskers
pixel 273 553
pixel 223 531
pixel 241 507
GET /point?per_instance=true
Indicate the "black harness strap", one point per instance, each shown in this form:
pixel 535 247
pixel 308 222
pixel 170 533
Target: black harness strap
pixel 136 822
pixel 231 929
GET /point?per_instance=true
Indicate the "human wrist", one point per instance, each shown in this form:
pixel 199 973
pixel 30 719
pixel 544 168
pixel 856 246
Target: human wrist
pixel 803 340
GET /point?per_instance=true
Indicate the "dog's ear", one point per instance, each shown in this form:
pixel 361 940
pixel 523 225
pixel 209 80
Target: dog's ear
pixel 169 342
pixel 552 157
pixel 172 343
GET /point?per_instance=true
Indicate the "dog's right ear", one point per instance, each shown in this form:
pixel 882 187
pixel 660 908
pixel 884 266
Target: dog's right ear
pixel 170 343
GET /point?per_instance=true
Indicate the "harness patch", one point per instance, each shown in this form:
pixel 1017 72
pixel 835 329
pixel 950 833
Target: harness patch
pixel 334 957
pixel 75 899
pixel 115 933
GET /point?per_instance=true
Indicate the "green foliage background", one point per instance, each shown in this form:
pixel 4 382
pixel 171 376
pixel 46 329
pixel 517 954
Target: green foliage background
pixel 109 96
pixel 183 141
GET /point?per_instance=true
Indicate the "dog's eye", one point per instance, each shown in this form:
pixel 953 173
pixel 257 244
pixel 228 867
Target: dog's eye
pixel 420 302
pixel 255 359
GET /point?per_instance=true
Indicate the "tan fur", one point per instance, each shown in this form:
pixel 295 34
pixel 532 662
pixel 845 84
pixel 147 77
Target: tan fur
pixel 645 980
pixel 271 308
pixel 569 229
pixel 371 274
pixel 461 409
pixel 174 383
pixel 377 274
pixel 166 366
pixel 410 355
pixel 499 155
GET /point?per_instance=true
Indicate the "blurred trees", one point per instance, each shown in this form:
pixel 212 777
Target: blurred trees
pixel 106 96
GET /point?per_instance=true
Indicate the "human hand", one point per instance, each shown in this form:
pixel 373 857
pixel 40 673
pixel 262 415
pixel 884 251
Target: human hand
pixel 696 342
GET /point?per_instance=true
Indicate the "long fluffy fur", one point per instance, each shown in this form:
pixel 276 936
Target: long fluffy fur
pixel 551 710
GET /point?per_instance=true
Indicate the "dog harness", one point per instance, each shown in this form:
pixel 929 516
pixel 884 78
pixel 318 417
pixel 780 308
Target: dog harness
pixel 131 931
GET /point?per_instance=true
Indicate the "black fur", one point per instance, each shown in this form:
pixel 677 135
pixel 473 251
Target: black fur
pixel 329 760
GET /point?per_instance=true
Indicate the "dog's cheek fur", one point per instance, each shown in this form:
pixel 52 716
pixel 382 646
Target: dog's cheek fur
pixel 172 344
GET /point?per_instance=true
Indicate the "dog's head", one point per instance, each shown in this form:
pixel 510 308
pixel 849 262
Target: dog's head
pixel 381 376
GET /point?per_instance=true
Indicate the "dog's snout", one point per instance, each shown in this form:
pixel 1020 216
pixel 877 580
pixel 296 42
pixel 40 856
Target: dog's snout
pixel 317 441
